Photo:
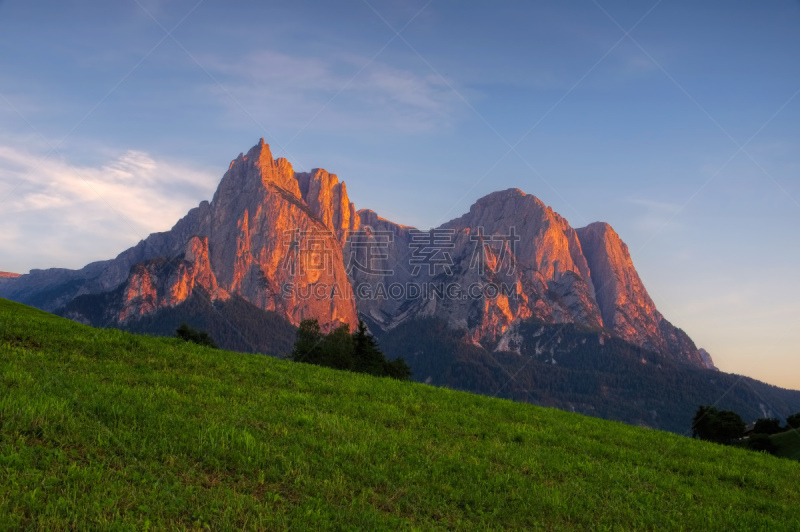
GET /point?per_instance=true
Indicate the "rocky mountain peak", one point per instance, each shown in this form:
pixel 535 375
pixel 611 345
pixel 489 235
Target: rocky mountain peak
pixel 503 203
pixel 547 244
pixel 250 173
pixel 327 198
pixel 272 172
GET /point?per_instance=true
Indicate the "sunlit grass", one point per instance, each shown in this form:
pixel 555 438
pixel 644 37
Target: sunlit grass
pixel 104 429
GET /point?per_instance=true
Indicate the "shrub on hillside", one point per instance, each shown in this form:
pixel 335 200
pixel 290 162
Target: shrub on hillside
pixel 340 349
pixel 190 334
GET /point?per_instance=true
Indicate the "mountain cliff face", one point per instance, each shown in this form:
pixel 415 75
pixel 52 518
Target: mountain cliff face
pixel 293 243
pixel 547 271
pixel 509 243
pixel 624 303
pixel 155 284
pixel 327 198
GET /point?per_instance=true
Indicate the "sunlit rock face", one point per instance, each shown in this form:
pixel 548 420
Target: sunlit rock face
pixel 263 236
pixel 327 198
pixel 541 268
pixel 551 279
pixel 159 283
pixel 551 272
pixel 255 242
pixel 625 305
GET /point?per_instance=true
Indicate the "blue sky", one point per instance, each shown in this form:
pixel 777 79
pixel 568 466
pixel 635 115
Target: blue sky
pixel 682 134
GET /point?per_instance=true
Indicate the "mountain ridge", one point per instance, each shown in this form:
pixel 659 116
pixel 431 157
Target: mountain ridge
pixel 265 222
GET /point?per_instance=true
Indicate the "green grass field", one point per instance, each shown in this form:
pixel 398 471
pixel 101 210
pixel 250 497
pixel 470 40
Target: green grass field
pixel 101 429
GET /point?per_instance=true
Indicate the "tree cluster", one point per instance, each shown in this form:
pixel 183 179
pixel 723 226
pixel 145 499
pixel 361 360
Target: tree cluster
pixel 767 425
pixel 190 334
pixel 720 426
pixel 726 427
pixel 340 349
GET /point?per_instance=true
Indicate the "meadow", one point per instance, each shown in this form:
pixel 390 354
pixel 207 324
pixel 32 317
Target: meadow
pixel 102 429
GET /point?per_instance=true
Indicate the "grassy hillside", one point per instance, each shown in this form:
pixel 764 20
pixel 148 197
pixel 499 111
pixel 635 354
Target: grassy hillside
pixel 104 429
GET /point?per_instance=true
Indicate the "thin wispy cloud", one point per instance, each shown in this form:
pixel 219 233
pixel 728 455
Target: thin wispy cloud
pixel 79 213
pixel 288 90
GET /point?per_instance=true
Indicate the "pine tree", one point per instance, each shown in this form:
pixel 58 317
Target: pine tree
pixel 337 349
pixel 368 358
pixel 308 346
pixel 702 421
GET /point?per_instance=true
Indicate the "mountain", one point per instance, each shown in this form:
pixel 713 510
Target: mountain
pixel 555 273
pixel 624 303
pixel 292 243
pixel 241 243
pixel 511 281
pixel 265 222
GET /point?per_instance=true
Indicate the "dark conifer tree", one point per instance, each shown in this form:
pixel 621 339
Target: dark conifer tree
pixel 397 369
pixel 337 349
pixel 368 358
pixel 308 346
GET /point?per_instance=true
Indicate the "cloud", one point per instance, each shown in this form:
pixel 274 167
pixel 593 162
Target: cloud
pixel 67 215
pixel 290 90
